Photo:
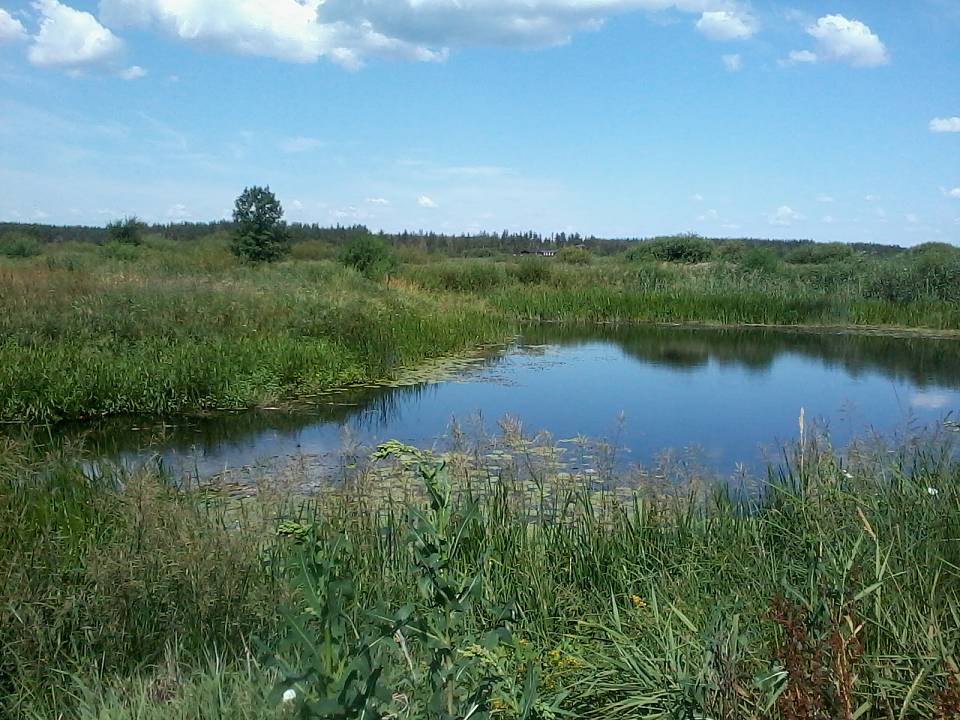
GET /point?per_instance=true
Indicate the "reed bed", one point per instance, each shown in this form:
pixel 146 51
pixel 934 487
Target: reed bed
pixel 830 593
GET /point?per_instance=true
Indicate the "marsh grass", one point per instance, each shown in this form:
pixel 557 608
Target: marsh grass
pixel 832 593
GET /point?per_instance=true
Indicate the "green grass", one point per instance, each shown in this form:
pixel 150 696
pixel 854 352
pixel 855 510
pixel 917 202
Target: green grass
pixel 125 598
pixel 157 329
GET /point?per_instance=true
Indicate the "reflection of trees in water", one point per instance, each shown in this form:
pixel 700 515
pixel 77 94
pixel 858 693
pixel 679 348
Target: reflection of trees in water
pixel 922 361
pixel 370 410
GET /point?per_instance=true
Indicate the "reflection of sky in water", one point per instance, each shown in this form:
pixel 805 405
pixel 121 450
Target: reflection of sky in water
pixel 689 395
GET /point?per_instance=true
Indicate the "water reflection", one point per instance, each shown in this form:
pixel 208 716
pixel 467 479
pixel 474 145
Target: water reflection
pixel 726 392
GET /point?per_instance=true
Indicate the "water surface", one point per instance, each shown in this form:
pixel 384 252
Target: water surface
pixel 726 396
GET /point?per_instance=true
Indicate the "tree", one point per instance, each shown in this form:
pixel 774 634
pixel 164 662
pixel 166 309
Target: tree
pixel 128 231
pixel 260 234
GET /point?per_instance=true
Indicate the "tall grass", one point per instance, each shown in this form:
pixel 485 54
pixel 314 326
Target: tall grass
pixel 87 332
pixel 833 594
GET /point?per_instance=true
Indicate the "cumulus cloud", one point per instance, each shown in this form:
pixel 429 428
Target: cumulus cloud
pixel 785 215
pixel 841 39
pixel 953 193
pixel 132 73
pixel 71 38
pixel 11 29
pixel 733 63
pixel 945 125
pixel 727 25
pixel 347 31
pixel 426 201
pixel 178 212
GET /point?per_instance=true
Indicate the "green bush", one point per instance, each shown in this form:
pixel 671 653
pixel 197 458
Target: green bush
pixel 128 231
pixel 732 251
pixel 819 253
pixel 17 245
pixel 368 254
pixel 677 248
pixel 574 256
pixel 760 259
pixel 531 270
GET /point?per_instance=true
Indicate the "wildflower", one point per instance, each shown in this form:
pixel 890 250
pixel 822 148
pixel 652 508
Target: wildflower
pixel 638 601
pixel 932 491
pixel 289 695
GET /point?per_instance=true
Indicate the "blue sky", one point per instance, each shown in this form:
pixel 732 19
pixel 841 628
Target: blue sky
pixel 830 120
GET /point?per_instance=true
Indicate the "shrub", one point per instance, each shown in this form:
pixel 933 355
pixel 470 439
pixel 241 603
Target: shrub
pixel 575 256
pixel 531 270
pixel 676 248
pixel 732 251
pixel 128 231
pixel 17 245
pixel 819 253
pixel 313 250
pixel 368 254
pixel 760 259
pixel 260 235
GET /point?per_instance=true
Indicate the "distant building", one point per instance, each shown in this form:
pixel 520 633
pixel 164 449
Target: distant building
pixel 539 253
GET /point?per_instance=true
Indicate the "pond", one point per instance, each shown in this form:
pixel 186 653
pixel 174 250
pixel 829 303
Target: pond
pixel 729 397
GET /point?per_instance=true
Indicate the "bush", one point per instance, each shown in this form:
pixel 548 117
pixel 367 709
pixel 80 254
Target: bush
pixel 574 256
pixel 760 259
pixel 732 251
pixel 677 248
pixel 17 245
pixel 819 253
pixel 368 254
pixel 128 231
pixel 531 270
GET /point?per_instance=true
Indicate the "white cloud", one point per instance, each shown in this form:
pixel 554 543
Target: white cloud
pixel 132 73
pixel 727 25
pixel 802 56
pixel 709 216
pixel 829 219
pixel 953 193
pixel 945 125
pixel 11 29
pixel 697 197
pixel 911 218
pixel 849 41
pixel 347 31
pixel 824 198
pixel 296 205
pixel 785 215
pixel 378 201
pixel 426 201
pixel 300 144
pixel 930 400
pixel 733 63
pixel 71 38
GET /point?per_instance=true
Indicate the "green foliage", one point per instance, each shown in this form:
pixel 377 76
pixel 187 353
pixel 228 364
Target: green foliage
pixel 18 245
pixel 574 256
pixel 260 234
pixel 819 253
pixel 732 251
pixel 932 275
pixel 677 249
pixel 531 270
pixel 128 231
pixel 760 260
pixel 368 254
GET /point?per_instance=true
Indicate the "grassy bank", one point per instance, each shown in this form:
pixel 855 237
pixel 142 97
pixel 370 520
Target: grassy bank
pixel 507 587
pixel 89 330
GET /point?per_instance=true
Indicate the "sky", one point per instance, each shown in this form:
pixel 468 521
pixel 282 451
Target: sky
pixel 832 120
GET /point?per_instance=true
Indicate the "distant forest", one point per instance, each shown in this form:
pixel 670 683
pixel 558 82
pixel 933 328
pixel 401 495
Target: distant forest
pixel 464 245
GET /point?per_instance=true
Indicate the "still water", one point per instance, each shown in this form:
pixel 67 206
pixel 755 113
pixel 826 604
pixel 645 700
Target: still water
pixel 726 396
